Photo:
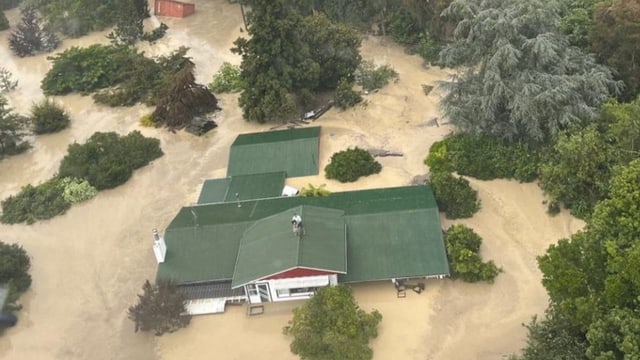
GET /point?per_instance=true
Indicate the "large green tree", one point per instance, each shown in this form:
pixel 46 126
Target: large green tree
pixel 593 280
pixel 616 41
pixel 332 326
pixel 578 171
pixel 520 78
pixel 289 56
pixel 275 60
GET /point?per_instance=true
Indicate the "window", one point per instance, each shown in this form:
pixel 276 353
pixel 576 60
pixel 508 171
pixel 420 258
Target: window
pixel 284 293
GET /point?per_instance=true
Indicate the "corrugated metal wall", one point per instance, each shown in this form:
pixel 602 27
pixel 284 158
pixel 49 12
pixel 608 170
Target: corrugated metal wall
pixel 173 8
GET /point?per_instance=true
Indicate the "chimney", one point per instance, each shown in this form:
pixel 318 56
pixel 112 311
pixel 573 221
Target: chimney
pixel 159 247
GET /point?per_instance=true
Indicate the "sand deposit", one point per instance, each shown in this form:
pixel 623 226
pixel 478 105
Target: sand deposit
pixel 89 264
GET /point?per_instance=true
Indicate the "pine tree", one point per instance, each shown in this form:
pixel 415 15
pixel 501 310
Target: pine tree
pixel 183 99
pixel 30 36
pixel 521 78
pixel 13 128
pixel 159 309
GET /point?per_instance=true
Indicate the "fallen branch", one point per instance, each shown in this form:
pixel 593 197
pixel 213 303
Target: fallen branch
pixel 383 153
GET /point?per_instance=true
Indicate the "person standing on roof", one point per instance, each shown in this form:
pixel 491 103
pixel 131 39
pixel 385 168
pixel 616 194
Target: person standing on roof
pixel 296 221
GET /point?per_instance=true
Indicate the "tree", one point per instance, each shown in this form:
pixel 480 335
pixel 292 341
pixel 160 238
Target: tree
pixel 577 22
pixel 463 252
pixel 75 18
pixel 351 164
pixel 30 36
pixel 578 172
pixel 142 8
pixel 8 4
pixel 615 39
pixel 521 79
pixel 615 336
pixel 553 338
pixel 48 117
pixel 289 56
pixel 334 47
pixel 275 61
pixel 14 270
pixel 13 128
pixel 332 326
pixel 184 100
pixel 4 22
pixel 129 16
pixel 160 309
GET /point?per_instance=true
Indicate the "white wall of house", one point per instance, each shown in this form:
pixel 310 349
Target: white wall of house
pixel 298 288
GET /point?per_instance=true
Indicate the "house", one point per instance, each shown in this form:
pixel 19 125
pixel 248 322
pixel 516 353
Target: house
pixel 237 243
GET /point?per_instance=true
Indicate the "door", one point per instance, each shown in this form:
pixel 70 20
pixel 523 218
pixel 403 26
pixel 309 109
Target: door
pixel 263 291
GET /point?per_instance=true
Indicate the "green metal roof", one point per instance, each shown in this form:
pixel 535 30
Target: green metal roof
pixel 391 232
pixel 294 151
pixel 270 246
pixel 248 187
pixel 395 245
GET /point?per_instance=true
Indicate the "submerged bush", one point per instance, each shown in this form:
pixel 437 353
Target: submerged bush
pixel 484 158
pixel 77 190
pixel 371 77
pixel 226 80
pixel 4 22
pixel 463 248
pixel 349 165
pixel 454 195
pixel 33 203
pixel 107 160
pixel 345 96
pixel 48 117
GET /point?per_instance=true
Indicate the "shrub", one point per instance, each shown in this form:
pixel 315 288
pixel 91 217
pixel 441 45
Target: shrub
pixel 147 121
pixel 371 77
pixel 226 80
pixel 14 270
pixel 35 203
pixel 454 195
pixel 463 247
pixel 77 190
pixel 107 160
pixel 8 4
pixel 351 164
pixel 87 69
pixel 485 158
pixel 160 309
pixel 345 96
pixel 6 83
pixel 315 191
pixel 48 117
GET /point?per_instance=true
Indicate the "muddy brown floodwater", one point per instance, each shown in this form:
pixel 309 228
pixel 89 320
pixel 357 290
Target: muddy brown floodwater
pixel 89 264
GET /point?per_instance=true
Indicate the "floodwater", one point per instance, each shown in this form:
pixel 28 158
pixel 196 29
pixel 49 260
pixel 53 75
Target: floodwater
pixel 89 264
